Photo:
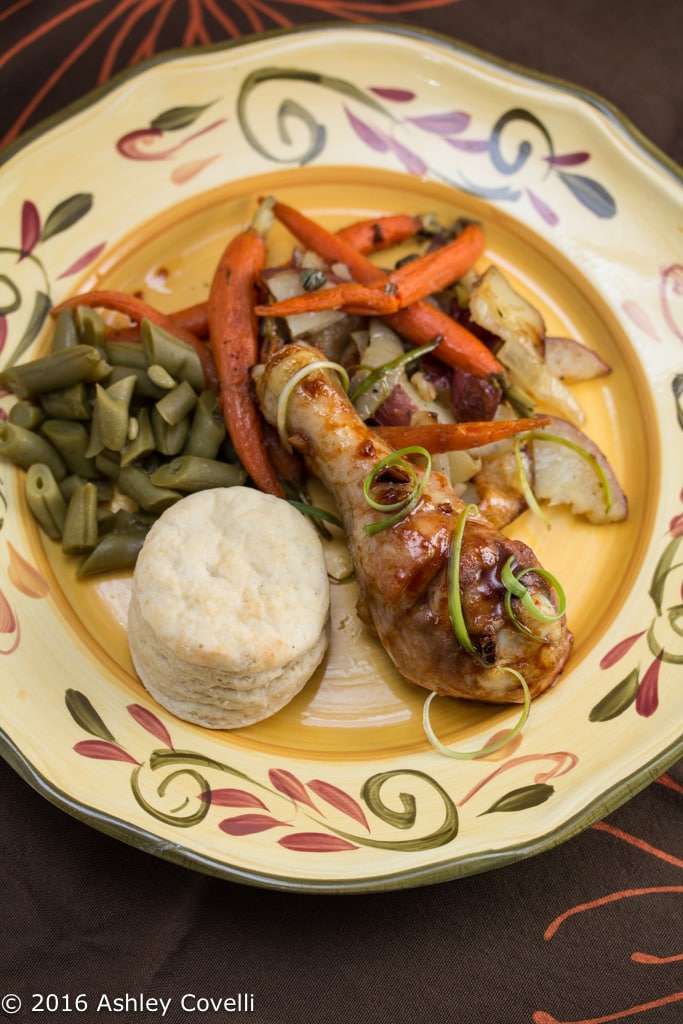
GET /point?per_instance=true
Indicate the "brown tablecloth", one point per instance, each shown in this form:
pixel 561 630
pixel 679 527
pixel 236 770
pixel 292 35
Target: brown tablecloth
pixel 83 913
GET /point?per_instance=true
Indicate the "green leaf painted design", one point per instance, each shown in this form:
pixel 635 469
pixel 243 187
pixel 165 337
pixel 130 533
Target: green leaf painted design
pixel 41 308
pixel 66 213
pixel 591 193
pixel 668 561
pixel 84 714
pixel 523 798
pixel 617 700
pixel 174 118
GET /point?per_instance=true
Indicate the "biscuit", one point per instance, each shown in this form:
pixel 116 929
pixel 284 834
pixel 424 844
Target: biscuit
pixel 230 604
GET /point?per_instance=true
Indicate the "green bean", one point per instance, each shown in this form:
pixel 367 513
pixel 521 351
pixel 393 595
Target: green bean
pixel 24 447
pixel 144 387
pixel 26 414
pixel 134 482
pixel 176 356
pixel 126 353
pixel 114 552
pixel 125 521
pixel 207 432
pixel 65 333
pixel 67 486
pixel 161 378
pixel 55 371
pixel 45 500
pixel 90 325
pixel 69 403
pixel 177 404
pixel 108 464
pixel 71 441
pixel 169 438
pixel 144 441
pixel 110 416
pixel 80 526
pixel 192 473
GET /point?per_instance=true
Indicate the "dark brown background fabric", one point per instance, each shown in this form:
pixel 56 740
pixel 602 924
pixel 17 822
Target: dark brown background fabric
pixel 81 912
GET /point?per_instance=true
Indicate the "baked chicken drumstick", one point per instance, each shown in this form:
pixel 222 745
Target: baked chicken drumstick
pixel 403 570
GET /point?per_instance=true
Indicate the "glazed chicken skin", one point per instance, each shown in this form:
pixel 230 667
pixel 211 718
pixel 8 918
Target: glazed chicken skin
pixel 402 570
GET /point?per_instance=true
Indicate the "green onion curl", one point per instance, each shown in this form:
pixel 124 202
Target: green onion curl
pixel 515 588
pixel 401 508
pixel 284 396
pixel 395 364
pixel 454 600
pixel 490 748
pixel 525 485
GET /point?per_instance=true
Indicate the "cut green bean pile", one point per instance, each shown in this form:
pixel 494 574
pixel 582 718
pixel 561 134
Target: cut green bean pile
pixel 110 434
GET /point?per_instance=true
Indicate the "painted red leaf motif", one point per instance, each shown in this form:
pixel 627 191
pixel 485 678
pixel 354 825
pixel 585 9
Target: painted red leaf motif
pixel 647 698
pixel 8 622
pixel 101 750
pixel 548 215
pixel 30 227
pixel 130 145
pixel 469 145
pixel 619 650
pixel 231 798
pixel 83 260
pixel 568 159
pixel 24 576
pixel 3 331
pixel 676 525
pixel 413 163
pixel 671 290
pixel 285 782
pixel 315 842
pixel 394 95
pixel 374 139
pixel 248 824
pixel 635 312
pixel 338 798
pixel 451 123
pixel 149 721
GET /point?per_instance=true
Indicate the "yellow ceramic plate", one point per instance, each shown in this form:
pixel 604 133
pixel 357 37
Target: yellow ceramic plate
pixel 139 187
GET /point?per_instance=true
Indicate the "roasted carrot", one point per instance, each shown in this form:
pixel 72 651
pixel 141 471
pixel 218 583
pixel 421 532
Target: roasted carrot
pixel 190 318
pixel 439 438
pixel 433 271
pixel 347 296
pixel 138 310
pixel 407 284
pixel 378 233
pixel 420 322
pixel 233 335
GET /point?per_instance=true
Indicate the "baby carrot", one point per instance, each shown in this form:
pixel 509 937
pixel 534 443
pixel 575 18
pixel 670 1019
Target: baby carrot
pixel 420 323
pixel 138 310
pixel 433 271
pixel 377 233
pixel 411 282
pixel 348 296
pixel 439 438
pixel 233 335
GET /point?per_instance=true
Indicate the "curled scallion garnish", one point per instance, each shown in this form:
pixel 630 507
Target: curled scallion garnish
pixel 395 364
pixel 515 588
pixel 454 599
pixel 403 506
pixel 490 748
pixel 525 485
pixel 283 399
